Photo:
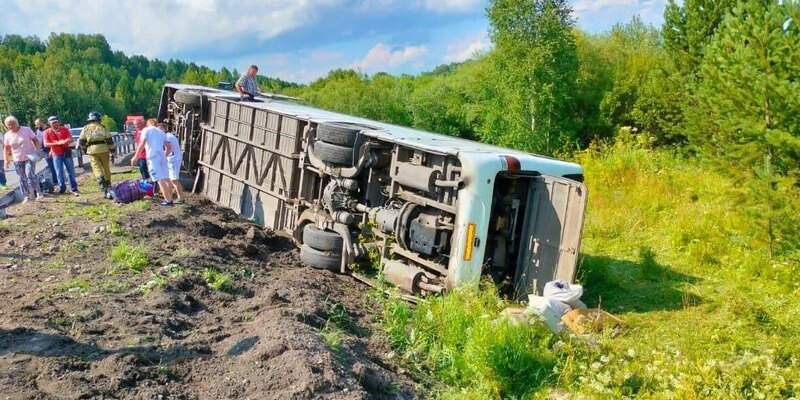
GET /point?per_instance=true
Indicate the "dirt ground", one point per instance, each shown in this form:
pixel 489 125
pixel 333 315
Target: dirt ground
pixel 222 310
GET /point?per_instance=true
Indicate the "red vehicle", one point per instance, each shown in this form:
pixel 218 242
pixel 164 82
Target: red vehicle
pixel 130 121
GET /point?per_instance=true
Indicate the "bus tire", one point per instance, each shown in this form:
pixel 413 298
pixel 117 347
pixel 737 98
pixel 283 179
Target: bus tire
pixel 322 240
pixel 333 153
pixel 320 259
pixel 338 133
pixel 188 97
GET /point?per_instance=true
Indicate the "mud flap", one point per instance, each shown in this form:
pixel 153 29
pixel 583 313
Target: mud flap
pixel 552 234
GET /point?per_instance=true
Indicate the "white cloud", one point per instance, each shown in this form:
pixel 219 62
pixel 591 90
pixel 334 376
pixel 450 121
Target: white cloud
pixel 453 5
pixel 160 28
pixel 653 10
pixel 295 66
pixel 381 57
pixel 598 15
pixel 443 6
pixel 582 6
pixel 467 47
pixel 302 74
pixel 377 5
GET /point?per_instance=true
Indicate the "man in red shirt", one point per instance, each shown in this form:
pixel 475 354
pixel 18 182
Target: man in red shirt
pixel 58 139
pixel 137 137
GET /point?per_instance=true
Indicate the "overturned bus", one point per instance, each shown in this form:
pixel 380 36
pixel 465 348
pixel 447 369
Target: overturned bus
pixel 433 212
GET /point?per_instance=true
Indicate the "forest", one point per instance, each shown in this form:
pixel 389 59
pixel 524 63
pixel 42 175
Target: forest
pixel 70 75
pixel 689 135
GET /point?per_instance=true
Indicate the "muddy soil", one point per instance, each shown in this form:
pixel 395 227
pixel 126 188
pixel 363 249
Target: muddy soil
pixel 222 310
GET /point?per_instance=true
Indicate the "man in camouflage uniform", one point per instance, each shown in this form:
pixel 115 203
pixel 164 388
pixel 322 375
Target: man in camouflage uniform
pixel 96 141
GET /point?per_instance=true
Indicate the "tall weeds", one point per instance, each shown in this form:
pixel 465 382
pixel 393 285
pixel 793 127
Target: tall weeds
pixel 668 249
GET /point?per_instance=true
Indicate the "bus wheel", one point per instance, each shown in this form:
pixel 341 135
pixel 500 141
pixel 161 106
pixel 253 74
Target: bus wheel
pixel 320 259
pixel 191 99
pixel 338 133
pixel 322 240
pixel 333 153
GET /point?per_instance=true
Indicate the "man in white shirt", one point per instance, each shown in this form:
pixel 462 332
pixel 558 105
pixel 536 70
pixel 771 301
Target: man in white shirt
pixel 154 141
pixel 174 161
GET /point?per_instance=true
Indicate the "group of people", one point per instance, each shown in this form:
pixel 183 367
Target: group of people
pixel 158 155
pixel 23 148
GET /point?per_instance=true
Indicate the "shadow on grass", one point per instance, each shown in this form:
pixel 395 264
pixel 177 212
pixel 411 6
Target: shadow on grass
pixel 635 286
pixel 41 344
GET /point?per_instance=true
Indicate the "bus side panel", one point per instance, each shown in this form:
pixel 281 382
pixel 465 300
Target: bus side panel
pixel 251 163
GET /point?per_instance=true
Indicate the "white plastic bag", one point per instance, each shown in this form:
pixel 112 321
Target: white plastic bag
pixel 564 292
pixel 549 310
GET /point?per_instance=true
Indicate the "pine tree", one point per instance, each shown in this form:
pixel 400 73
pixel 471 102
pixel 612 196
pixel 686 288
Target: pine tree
pixel 687 30
pixel 689 27
pixel 746 116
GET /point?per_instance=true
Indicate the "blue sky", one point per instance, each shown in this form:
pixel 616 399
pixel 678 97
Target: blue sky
pixel 297 40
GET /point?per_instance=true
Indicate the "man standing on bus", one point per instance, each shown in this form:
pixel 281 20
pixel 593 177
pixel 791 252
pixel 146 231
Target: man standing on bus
pixel 247 86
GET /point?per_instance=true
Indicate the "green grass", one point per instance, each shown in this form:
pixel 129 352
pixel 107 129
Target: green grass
pixel 77 285
pixel 669 249
pixel 117 230
pixel 336 326
pixel 103 212
pixel 332 336
pixel 157 281
pixel 57 263
pixel 114 285
pixel 460 341
pixel 76 246
pixel 218 280
pixel 175 271
pixel 143 205
pixel 130 257
pixel 160 280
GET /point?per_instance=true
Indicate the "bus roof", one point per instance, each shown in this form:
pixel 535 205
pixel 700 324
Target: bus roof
pixel 433 142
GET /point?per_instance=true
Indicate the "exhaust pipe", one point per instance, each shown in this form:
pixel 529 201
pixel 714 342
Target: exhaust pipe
pixel 409 278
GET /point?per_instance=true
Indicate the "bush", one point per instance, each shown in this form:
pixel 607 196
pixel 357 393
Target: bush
pixel 460 339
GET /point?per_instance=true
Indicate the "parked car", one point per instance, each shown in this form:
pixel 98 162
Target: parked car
pixel 76 134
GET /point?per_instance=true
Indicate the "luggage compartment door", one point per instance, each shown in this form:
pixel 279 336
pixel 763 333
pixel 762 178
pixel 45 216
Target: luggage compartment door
pixel 552 234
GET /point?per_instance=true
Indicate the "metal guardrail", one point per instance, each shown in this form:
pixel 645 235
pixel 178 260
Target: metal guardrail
pixel 124 145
